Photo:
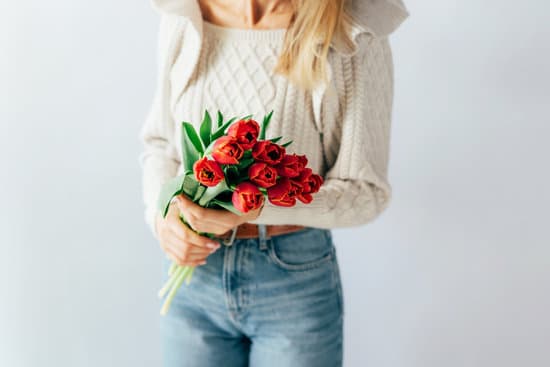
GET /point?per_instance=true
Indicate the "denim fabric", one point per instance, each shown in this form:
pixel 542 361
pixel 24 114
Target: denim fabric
pixel 262 302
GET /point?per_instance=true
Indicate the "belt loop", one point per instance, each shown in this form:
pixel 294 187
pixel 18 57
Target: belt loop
pixel 229 242
pixel 262 236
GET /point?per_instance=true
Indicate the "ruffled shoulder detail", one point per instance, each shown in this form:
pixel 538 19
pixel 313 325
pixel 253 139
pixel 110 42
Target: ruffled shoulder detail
pixel 381 17
pixel 376 17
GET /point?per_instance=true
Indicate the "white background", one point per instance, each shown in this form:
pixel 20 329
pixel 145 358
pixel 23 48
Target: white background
pixel 455 273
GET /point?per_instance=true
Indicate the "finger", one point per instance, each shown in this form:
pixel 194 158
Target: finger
pixel 184 234
pixel 204 224
pixel 215 221
pixel 176 226
pixel 191 217
pixel 174 255
pixel 185 249
pixel 183 231
pixel 217 217
pixel 199 241
pixel 187 206
pixel 207 227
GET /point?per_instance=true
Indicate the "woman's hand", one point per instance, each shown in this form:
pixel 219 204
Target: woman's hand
pixel 216 221
pixel 182 245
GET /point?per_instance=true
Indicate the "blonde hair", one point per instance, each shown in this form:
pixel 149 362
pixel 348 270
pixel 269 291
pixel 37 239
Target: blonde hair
pixel 314 24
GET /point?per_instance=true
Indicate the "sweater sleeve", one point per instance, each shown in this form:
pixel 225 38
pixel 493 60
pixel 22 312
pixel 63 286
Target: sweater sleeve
pixel 356 142
pixel 158 160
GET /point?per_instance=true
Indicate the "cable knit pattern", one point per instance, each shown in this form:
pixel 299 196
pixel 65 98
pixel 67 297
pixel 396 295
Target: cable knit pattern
pixel 344 131
pixel 356 120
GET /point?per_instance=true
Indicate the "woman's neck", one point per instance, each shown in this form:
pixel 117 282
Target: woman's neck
pixel 260 14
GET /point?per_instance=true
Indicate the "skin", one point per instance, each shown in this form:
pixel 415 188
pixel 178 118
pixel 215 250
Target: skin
pixel 181 243
pixel 253 14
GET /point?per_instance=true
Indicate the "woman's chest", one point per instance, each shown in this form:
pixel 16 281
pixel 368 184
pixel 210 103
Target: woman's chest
pixel 234 74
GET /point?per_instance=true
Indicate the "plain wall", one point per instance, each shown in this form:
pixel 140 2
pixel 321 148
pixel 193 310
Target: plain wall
pixel 455 273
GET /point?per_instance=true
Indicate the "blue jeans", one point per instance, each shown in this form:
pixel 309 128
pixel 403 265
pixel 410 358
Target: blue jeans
pixel 263 302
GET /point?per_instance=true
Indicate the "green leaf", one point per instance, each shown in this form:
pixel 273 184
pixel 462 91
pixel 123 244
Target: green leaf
pixel 220 119
pixel 245 162
pixel 211 192
pixel 206 129
pixel 228 206
pixel 264 125
pixel 231 173
pixel 189 152
pixel 231 169
pixel 183 184
pixel 246 117
pixel 193 137
pixel 190 185
pixel 198 193
pixel 221 130
pixel 274 140
pixel 208 149
pixel 170 189
pixel 286 144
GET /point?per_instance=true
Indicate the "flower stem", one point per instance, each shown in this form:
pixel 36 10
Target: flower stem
pixel 180 277
pixel 171 281
pixel 189 275
pixel 172 268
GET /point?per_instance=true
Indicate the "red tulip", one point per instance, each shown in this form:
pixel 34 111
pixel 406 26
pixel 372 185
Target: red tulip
pixel 268 152
pixel 315 181
pixel 262 175
pixel 310 183
pixel 303 180
pixel 284 193
pixel 291 165
pixel 245 131
pixel 207 172
pixel 227 150
pixel 247 197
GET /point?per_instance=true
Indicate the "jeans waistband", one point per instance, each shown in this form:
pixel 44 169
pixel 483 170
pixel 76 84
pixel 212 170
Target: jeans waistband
pixel 262 237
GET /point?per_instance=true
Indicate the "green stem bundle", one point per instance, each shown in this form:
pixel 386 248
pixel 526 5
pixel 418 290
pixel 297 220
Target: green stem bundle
pixel 175 281
pixel 177 275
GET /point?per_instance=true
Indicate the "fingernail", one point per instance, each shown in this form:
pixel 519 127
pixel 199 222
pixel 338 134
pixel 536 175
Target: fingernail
pixel 213 245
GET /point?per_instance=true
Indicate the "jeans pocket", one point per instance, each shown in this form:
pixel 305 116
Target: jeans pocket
pixel 301 250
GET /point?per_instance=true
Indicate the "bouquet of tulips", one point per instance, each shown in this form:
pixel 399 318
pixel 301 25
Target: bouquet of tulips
pixel 231 165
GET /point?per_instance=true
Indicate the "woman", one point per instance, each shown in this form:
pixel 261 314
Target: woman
pixel 272 296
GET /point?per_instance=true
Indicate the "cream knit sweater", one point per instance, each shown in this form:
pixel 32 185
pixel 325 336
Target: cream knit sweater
pixel 343 127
